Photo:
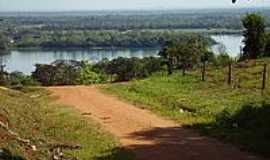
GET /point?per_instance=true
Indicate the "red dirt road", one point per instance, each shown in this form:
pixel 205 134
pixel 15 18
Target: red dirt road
pixel 147 135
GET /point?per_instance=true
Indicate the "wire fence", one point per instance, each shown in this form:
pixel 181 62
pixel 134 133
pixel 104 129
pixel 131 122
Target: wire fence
pixel 250 74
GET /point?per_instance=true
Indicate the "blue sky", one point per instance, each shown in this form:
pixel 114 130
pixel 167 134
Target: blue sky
pixel 69 5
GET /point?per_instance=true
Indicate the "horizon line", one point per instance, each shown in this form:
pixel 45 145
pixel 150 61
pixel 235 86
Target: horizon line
pixel 131 9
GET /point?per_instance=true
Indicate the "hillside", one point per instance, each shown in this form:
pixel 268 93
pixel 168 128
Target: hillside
pixel 32 128
pixel 236 113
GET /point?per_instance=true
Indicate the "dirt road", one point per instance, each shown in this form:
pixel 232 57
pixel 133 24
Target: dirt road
pixel 147 135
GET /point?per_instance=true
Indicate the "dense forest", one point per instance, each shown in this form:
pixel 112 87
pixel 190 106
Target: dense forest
pixel 113 29
pixel 116 28
pixel 95 39
pixel 126 20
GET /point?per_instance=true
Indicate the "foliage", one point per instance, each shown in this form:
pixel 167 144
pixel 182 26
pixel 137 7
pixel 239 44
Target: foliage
pixel 251 122
pixel 125 69
pixel 132 20
pixel 16 79
pixel 3 78
pixel 267 45
pixel 89 76
pixel 58 73
pixel 96 39
pixel 221 60
pixel 63 72
pixel 19 79
pixel 3 44
pixel 197 104
pixel 254 34
pixel 185 54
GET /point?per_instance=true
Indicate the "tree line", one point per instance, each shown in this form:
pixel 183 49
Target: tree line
pixel 70 72
pixel 177 54
pixel 131 20
pixel 62 39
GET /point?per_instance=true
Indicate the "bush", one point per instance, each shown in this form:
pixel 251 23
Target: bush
pixel 58 73
pixel 250 123
pixel 20 79
pixel 3 78
pixel 16 79
pixel 73 72
pixel 125 69
pixel 222 59
pixel 89 76
pixel 64 72
pixel 152 64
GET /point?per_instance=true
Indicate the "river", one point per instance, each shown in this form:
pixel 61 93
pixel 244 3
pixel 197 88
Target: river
pixel 24 61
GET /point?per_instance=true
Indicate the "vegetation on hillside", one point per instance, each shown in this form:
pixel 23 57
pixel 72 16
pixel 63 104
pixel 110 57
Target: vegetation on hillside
pixel 237 113
pixel 185 55
pixel 31 114
pixel 63 72
pixel 3 44
pixel 215 94
pixel 254 32
pixel 74 72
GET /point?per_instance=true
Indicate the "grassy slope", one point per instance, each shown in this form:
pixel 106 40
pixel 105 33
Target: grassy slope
pixel 205 105
pixel 33 116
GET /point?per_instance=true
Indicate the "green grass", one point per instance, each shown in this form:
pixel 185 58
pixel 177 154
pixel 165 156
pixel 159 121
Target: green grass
pixel 211 106
pixel 32 114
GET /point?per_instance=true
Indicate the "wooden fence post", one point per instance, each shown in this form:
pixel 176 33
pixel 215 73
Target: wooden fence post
pixel 204 71
pixel 264 76
pixel 230 74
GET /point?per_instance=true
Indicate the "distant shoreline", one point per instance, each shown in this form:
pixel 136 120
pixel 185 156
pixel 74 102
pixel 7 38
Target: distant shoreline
pixel 84 49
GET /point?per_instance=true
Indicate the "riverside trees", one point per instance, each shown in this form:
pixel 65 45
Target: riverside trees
pixel 254 35
pixel 184 55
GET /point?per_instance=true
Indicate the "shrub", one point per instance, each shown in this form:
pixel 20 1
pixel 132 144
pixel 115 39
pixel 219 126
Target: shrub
pixel 222 59
pixel 249 126
pixel 18 78
pixel 63 72
pixel 125 69
pixel 58 73
pixel 89 76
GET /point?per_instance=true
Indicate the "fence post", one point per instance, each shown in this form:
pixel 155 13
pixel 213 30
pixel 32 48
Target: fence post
pixel 204 71
pixel 230 74
pixel 264 76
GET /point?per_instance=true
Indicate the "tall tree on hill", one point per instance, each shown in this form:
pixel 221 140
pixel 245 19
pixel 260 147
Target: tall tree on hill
pixel 3 44
pixel 267 45
pixel 254 36
pixel 184 54
pixel 3 48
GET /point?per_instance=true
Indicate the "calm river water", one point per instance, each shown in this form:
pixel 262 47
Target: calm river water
pixel 24 61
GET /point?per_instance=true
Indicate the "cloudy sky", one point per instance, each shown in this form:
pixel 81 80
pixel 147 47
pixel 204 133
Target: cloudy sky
pixel 69 5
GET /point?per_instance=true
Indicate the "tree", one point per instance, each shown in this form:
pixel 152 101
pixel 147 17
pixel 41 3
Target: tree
pixel 254 36
pixel 168 59
pixel 267 46
pixel 88 75
pixel 60 72
pixel 3 44
pixel 184 54
pixel 3 49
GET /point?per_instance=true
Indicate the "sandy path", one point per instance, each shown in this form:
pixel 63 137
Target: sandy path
pixel 147 135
